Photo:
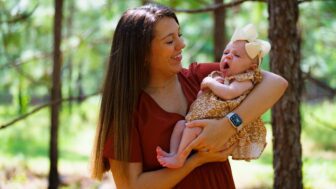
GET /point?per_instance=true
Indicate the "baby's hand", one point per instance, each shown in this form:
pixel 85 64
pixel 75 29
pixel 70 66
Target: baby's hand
pixel 206 83
pixel 219 79
pixel 199 93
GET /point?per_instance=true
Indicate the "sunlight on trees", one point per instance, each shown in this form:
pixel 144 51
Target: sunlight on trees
pixel 26 51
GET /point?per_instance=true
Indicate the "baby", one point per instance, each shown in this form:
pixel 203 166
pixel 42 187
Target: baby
pixel 221 92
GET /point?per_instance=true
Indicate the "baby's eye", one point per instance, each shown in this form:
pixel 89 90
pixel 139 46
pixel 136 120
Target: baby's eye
pixel 236 55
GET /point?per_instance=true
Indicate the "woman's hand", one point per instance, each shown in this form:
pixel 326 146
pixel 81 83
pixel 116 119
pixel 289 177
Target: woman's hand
pixel 213 137
pixel 202 157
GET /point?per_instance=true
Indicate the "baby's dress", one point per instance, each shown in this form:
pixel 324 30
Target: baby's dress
pixel 252 138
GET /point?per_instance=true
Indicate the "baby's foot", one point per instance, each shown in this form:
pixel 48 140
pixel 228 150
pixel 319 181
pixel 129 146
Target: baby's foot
pixel 175 161
pixel 160 152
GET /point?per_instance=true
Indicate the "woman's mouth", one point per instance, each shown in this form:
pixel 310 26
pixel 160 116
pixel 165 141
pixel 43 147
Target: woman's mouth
pixel 178 57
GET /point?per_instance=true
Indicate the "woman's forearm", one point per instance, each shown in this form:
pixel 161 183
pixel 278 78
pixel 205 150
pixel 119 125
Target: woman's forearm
pixel 163 178
pixel 262 97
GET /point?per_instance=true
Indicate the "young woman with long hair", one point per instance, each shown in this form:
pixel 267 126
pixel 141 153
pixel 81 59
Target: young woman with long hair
pixel 146 91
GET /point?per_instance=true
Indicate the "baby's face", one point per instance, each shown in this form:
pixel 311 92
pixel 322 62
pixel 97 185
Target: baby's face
pixel 235 59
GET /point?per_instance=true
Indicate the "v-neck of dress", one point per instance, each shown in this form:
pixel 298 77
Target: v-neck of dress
pixel 164 111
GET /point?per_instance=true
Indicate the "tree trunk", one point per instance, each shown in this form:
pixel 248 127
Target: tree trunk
pixel 286 121
pixel 69 27
pixel 20 96
pixel 219 31
pixel 79 84
pixel 55 95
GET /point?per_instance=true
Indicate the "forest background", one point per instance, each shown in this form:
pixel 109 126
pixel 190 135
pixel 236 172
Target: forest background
pixel 26 69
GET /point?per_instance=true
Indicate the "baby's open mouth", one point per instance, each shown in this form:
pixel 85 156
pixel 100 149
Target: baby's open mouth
pixel 226 65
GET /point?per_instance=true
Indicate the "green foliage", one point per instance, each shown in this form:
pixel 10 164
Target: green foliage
pixel 318 39
pixel 27 138
pixel 31 140
pixel 87 34
pixel 321 167
pixel 88 26
pixel 319 124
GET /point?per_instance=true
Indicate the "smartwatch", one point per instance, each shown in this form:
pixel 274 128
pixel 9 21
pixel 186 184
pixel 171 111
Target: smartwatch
pixel 235 120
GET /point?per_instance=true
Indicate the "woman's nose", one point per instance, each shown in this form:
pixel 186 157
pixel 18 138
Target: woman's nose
pixel 180 44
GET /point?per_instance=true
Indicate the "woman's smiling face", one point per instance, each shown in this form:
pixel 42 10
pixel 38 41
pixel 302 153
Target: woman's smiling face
pixel 166 48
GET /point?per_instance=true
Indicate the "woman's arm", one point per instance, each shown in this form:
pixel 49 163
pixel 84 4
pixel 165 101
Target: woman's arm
pixel 262 97
pixel 216 132
pixel 163 178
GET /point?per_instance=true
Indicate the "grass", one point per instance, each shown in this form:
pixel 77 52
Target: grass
pixel 24 149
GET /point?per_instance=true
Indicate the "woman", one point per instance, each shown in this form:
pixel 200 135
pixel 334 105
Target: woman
pixel 146 91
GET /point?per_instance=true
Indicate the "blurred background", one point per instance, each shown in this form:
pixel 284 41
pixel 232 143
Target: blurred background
pixel 26 67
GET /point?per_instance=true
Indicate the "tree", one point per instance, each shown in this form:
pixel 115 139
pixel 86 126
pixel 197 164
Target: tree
pixel 69 32
pixel 55 95
pixel 285 61
pixel 219 31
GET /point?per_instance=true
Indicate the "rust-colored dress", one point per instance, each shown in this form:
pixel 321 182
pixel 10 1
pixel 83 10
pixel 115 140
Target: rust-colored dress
pixel 153 127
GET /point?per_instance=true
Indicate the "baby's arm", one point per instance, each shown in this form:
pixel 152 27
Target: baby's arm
pixel 226 92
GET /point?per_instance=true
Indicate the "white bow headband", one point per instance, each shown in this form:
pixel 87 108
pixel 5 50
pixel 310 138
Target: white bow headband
pixel 254 46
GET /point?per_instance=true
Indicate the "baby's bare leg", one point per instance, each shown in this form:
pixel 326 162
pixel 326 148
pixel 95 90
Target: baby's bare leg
pixel 178 159
pixel 176 137
pixel 174 140
pixel 189 134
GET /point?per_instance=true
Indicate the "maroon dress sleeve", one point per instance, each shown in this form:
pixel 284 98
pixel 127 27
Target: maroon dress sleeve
pixel 198 71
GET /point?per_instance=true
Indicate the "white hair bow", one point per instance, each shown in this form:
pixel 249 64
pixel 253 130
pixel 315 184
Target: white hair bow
pixel 254 46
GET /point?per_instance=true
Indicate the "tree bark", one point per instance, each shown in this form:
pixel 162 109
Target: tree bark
pixel 219 31
pixel 286 121
pixel 79 83
pixel 69 27
pixel 55 95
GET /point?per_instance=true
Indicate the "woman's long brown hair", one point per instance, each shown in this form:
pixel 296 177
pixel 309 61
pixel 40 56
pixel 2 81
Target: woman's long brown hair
pixel 126 75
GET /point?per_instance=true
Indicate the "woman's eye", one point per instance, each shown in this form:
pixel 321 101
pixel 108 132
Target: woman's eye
pixel 169 42
pixel 180 34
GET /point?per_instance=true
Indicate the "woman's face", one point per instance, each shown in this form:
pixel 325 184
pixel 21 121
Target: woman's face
pixel 166 50
pixel 235 59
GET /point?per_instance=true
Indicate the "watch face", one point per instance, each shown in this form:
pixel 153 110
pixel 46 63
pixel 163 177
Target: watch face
pixel 236 120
